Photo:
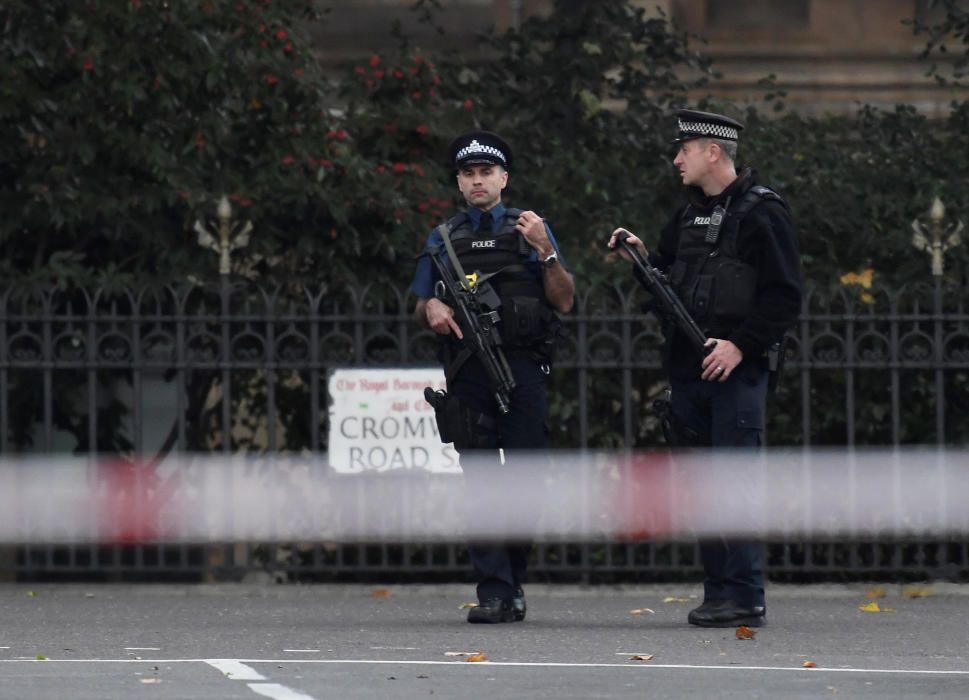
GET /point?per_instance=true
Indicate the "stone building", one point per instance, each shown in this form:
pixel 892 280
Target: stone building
pixel 828 55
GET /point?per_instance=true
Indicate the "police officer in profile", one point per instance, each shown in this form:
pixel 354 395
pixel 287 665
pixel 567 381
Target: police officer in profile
pixel 732 256
pixel 515 251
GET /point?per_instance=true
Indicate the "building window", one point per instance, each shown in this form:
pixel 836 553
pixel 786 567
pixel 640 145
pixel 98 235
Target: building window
pixel 758 14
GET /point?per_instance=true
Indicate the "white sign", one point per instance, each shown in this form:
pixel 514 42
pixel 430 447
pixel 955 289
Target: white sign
pixel 379 421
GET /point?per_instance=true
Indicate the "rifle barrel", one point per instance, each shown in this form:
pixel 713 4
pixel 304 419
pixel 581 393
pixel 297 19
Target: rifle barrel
pixel 662 291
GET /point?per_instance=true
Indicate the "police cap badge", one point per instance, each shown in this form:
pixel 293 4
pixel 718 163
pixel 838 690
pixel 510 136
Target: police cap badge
pixel 480 148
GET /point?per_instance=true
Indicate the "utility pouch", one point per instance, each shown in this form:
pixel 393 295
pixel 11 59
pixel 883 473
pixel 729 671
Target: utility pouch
pixel 734 290
pixel 553 335
pixel 701 296
pixel 523 321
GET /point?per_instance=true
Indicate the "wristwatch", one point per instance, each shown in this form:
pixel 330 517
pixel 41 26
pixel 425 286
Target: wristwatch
pixel 550 260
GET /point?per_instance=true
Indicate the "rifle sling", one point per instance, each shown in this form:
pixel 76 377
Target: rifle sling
pixel 452 256
pixel 455 365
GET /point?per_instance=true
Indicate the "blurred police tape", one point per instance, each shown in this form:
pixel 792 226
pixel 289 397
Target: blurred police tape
pixel 587 496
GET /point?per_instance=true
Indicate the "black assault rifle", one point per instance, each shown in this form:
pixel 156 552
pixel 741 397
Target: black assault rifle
pixel 670 306
pixel 476 309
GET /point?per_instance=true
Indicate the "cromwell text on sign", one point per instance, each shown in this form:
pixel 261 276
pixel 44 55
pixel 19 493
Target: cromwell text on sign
pixel 379 421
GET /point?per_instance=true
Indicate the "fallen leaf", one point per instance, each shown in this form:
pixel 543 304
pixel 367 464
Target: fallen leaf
pixel 467 606
pixel 674 599
pixel 917 592
pixel 874 593
pixel 475 658
pixel 380 593
pixel 41 657
pixel 641 657
pixel 744 632
pixel 151 680
pixel 642 611
pixel 873 607
pixel 31 594
pixel 809 664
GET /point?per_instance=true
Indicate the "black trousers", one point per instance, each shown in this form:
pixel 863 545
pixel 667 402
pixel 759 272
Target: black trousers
pixel 494 505
pixel 728 415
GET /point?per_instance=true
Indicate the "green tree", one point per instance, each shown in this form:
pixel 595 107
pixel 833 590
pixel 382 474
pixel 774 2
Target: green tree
pixel 125 121
pixel 586 95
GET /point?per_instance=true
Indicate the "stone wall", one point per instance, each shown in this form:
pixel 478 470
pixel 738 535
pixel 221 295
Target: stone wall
pixel 828 55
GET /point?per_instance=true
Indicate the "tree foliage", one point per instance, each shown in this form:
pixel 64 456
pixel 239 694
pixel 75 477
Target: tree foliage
pixel 952 31
pixel 125 121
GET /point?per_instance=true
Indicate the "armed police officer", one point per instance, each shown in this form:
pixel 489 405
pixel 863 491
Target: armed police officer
pixel 732 256
pixel 509 258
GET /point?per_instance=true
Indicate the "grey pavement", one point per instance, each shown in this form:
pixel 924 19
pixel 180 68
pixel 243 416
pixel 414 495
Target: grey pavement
pixel 294 642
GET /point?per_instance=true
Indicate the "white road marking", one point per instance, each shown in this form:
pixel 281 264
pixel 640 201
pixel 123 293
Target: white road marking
pixel 554 664
pixel 278 692
pixel 303 651
pixel 235 670
pixel 393 648
pixel 492 664
pixel 142 648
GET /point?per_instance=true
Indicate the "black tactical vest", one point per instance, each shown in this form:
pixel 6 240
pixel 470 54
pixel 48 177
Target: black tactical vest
pixel 527 320
pixel 717 287
pixel 502 254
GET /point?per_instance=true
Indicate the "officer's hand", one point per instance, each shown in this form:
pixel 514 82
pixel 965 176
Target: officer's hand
pixel 721 361
pixel 532 227
pixel 440 318
pixel 631 240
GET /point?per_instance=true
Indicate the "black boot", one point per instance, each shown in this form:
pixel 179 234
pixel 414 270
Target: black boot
pixel 518 604
pixel 491 611
pixel 727 613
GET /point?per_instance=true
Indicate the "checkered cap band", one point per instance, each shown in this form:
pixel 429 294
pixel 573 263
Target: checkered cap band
pixel 474 148
pixel 718 131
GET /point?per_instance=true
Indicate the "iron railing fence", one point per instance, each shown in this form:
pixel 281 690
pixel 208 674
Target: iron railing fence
pixel 237 368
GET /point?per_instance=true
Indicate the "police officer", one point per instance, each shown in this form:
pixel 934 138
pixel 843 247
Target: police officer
pixel 518 255
pixel 732 256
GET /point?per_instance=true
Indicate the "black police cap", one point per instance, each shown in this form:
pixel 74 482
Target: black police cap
pixel 692 124
pixel 480 148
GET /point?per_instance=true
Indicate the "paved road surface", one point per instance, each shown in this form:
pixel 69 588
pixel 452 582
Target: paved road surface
pixel 363 641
